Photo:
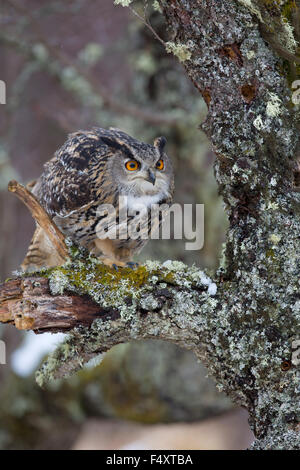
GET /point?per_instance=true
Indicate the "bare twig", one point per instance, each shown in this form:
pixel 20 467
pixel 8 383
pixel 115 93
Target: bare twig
pixel 41 217
pixel 148 25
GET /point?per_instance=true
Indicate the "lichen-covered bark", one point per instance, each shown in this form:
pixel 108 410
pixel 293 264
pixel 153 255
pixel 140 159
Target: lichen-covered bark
pixel 242 323
pixel 154 301
pixel 252 125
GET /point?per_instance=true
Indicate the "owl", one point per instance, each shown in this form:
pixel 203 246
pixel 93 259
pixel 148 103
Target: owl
pixel 91 170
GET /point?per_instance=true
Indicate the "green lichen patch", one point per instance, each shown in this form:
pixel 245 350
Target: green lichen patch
pixel 181 51
pixel 109 287
pixel 123 3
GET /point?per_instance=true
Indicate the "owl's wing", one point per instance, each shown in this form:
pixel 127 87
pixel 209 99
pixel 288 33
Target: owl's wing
pixel 63 192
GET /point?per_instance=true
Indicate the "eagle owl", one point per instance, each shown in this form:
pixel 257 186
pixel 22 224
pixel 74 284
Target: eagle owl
pixel 94 168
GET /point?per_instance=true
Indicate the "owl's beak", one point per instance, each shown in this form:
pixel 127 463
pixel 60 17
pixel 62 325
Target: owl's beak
pixel 151 177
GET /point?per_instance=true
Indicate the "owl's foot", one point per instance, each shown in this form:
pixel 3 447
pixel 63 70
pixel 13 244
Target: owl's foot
pixel 129 264
pixel 132 265
pixel 112 263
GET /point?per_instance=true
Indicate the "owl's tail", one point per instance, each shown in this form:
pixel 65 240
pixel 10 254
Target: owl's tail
pixel 41 253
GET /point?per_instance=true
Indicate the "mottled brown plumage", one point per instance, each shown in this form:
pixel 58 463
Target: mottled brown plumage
pixel 93 168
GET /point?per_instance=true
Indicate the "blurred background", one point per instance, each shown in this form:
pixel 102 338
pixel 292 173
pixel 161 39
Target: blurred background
pixel 72 65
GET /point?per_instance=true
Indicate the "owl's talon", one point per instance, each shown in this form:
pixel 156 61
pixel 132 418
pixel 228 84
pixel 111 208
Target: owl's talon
pixel 132 265
pixel 116 268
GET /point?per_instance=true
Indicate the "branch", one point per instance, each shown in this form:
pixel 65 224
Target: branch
pixel 148 25
pixel 28 305
pixel 103 307
pixel 41 217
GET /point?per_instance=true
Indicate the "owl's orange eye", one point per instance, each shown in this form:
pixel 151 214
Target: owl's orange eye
pixel 160 164
pixel 132 165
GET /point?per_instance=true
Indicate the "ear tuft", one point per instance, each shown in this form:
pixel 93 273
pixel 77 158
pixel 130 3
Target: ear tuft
pixel 160 143
pixel 115 129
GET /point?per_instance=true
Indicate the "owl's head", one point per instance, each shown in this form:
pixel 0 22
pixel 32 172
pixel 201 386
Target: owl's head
pixel 117 163
pixel 138 169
